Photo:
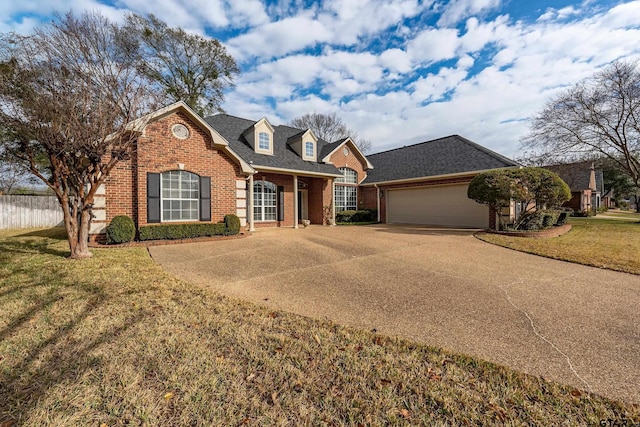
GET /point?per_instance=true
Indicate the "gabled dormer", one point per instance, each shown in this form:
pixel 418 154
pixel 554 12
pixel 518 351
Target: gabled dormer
pixel 305 144
pixel 260 136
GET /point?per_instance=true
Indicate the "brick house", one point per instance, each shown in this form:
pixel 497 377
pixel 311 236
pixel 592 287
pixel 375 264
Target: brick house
pixel 586 184
pixel 186 168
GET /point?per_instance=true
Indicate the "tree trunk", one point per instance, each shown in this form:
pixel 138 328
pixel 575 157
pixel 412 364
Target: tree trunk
pixel 77 233
pixel 82 247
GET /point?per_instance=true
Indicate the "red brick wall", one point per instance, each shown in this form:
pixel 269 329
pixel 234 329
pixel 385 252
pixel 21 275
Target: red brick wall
pixel 368 198
pixel 354 162
pixel 159 151
pixel 319 197
pixel 285 181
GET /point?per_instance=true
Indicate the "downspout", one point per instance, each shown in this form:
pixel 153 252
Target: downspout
pixel 378 199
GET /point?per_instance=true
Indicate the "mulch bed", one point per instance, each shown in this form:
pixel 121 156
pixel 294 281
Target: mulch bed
pixel 148 243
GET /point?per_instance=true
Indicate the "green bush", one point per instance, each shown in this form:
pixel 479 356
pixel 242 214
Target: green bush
pixel 364 215
pixel 232 223
pixel 603 209
pixel 182 231
pixel 345 216
pixel 121 230
pixel 540 220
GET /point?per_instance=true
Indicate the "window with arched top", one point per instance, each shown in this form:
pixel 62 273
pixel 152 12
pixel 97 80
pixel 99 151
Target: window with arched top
pixel 264 201
pixel 346 190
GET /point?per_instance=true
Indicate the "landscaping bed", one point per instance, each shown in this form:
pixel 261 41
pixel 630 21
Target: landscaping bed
pixel 539 234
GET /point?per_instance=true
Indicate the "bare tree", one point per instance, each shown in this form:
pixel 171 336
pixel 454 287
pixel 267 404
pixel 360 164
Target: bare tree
pixel 329 127
pixel 68 92
pixel 598 117
pixel 188 67
pixel 10 176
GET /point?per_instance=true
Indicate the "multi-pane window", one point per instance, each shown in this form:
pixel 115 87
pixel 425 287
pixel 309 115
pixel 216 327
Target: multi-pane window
pixel 263 141
pixel 264 201
pixel 308 149
pixel 349 176
pixel 346 193
pixel 180 196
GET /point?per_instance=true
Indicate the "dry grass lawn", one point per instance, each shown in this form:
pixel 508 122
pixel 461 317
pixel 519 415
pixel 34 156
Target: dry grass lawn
pixel 612 243
pixel 114 340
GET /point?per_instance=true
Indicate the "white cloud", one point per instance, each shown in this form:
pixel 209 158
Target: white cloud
pixel 456 10
pixel 433 45
pixel 394 80
pixel 396 60
pixel 279 38
pixel 350 20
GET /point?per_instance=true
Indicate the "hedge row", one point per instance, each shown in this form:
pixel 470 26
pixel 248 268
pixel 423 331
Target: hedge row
pixel 118 231
pixel 364 215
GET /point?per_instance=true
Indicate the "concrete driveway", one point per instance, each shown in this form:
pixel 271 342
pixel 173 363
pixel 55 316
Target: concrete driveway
pixel 570 323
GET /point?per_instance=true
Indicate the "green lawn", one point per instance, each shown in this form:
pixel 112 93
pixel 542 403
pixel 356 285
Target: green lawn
pixel 114 340
pixel 612 243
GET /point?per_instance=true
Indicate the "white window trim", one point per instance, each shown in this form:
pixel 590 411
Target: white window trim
pixel 262 207
pixel 162 199
pixel 268 141
pixel 304 150
pixel 343 180
pixel 344 200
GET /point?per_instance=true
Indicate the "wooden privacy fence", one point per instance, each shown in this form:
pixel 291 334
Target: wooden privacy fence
pixel 29 211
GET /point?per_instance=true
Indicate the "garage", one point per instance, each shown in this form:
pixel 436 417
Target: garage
pixel 446 205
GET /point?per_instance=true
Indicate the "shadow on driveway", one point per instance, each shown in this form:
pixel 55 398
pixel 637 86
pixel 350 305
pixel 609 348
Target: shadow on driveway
pixel 570 323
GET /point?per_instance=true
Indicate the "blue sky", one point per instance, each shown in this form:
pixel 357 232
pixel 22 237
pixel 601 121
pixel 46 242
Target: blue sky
pixel 398 72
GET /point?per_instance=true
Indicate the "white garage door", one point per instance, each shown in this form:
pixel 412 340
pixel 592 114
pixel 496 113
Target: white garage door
pixel 446 205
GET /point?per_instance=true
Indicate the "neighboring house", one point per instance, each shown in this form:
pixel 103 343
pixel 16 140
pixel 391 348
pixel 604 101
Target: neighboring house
pixel 586 184
pixel 188 168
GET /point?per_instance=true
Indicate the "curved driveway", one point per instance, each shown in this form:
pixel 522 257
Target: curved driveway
pixel 570 323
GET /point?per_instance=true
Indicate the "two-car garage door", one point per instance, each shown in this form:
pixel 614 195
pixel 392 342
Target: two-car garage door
pixel 446 205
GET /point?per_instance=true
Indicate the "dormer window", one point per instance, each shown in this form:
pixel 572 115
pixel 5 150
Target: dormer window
pixel 264 142
pixel 260 137
pixel 309 149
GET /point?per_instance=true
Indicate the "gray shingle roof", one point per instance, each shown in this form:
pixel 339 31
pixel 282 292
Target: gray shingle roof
pixel 577 175
pixel 443 156
pixel 330 146
pixel 231 129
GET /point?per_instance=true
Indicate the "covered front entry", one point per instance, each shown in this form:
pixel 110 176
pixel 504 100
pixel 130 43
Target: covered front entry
pixel 279 200
pixel 446 205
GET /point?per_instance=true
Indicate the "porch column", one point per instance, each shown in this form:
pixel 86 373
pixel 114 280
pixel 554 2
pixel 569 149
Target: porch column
pixel 333 202
pixel 250 204
pixel 295 201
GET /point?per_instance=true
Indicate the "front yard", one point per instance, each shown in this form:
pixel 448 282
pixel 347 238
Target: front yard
pixel 612 243
pixel 114 340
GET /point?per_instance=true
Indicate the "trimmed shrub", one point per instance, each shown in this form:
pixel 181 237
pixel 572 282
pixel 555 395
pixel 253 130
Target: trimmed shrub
pixel 364 215
pixel 345 216
pixel 232 223
pixel 540 220
pixel 182 231
pixel 121 230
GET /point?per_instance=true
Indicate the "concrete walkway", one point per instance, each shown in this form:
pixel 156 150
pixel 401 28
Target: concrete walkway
pixel 573 324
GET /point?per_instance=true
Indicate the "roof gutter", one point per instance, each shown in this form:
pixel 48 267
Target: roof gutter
pixel 295 172
pixel 432 177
